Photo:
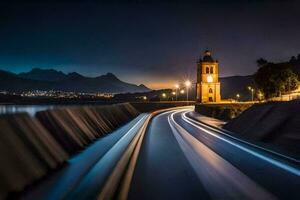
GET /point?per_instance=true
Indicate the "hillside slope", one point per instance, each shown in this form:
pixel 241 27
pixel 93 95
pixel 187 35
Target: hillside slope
pixel 277 123
pixel 232 85
pixel 12 82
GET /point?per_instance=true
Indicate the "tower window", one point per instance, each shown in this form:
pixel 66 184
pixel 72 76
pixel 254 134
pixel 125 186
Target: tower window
pixel 207 70
pixel 211 70
pixel 210 90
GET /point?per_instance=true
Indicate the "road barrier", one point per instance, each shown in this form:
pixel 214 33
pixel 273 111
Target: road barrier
pixel 30 147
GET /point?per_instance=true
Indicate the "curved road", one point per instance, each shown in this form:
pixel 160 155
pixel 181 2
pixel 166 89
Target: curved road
pixel 175 158
pixel 181 158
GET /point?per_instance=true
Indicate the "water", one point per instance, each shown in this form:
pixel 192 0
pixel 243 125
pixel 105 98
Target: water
pixel 30 109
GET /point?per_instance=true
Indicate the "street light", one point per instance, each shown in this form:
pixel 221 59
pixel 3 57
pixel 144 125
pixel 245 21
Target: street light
pixel 260 95
pixel 177 87
pixel 187 84
pixel 252 91
pixel 181 91
pixel 237 97
pixel 174 93
pixel 164 95
pixel 145 98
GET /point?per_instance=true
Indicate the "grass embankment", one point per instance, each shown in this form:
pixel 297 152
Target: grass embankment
pixel 274 123
pixel 225 112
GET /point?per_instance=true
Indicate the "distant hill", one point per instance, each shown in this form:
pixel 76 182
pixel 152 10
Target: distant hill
pixel 12 82
pixel 49 79
pixel 43 75
pixel 232 85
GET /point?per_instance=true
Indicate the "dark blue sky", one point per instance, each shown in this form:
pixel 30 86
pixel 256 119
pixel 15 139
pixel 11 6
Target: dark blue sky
pixel 147 42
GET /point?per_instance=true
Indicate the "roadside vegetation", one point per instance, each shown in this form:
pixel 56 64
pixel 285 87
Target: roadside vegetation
pixel 275 79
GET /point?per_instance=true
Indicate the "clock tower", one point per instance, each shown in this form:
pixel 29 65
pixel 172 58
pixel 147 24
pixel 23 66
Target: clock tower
pixel 208 85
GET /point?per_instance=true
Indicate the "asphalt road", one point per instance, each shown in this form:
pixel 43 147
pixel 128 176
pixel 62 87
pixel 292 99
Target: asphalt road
pixel 178 158
pixel 181 158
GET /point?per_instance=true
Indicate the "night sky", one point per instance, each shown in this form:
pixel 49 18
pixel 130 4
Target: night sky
pixel 151 42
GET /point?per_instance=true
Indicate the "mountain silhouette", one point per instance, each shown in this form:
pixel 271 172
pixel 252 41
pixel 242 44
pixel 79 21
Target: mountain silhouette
pixel 43 75
pixel 50 79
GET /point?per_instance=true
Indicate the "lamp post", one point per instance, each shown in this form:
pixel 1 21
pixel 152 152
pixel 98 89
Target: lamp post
pixel 260 95
pixel 237 97
pixel 174 93
pixel 182 92
pixel 187 84
pixel 162 96
pixel 289 89
pixel 177 87
pixel 252 92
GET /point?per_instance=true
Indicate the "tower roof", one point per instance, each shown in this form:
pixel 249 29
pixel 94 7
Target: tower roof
pixel 207 57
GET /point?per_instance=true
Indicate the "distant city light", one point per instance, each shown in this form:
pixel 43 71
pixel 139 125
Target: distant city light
pixel 174 93
pixel 176 86
pixel 164 95
pixel 144 97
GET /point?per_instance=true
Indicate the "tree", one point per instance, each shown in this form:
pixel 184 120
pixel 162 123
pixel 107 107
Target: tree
pixel 261 62
pixel 293 59
pixel 275 79
pixel 289 80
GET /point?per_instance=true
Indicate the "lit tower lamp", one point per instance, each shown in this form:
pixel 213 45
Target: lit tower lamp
pixel 209 79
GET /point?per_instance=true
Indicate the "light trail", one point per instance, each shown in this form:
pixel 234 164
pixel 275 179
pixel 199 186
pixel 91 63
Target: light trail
pixel 88 185
pixel 270 160
pixel 225 132
pixel 219 177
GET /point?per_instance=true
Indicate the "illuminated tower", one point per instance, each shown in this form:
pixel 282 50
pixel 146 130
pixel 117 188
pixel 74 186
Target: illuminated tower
pixel 208 85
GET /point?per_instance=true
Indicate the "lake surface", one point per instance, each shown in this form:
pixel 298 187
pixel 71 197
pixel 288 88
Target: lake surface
pixel 30 109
